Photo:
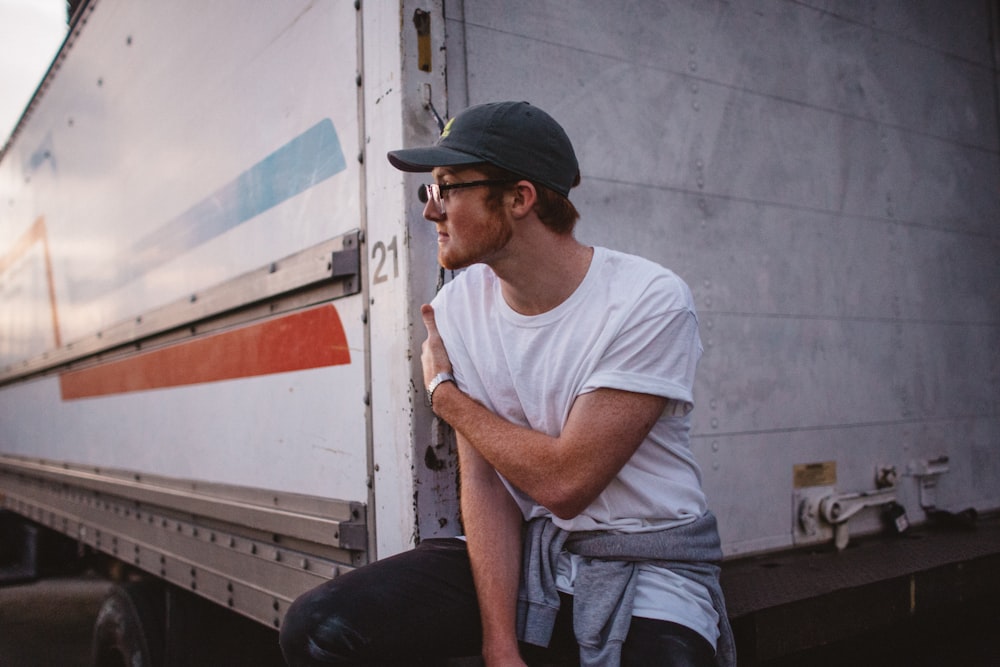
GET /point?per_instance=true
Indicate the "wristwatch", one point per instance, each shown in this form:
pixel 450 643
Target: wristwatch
pixel 438 379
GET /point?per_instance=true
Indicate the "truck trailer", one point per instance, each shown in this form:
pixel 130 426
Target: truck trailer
pixel 210 281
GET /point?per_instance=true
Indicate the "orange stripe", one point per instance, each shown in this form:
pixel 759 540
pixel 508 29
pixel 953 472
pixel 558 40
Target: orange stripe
pixel 52 284
pixel 36 234
pixel 310 339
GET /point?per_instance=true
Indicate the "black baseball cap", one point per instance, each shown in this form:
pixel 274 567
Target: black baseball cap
pixel 514 136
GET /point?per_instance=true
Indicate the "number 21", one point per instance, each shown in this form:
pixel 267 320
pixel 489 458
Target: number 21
pixel 380 252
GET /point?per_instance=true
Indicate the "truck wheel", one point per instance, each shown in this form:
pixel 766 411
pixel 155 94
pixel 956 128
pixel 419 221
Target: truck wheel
pixel 129 627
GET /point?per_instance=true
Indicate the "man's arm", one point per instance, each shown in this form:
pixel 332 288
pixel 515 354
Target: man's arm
pixel 492 524
pixel 564 473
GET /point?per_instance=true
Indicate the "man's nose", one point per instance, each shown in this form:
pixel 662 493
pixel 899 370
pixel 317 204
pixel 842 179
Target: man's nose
pixel 431 211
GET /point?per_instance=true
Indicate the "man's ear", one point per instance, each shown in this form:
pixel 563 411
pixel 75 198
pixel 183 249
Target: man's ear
pixel 524 200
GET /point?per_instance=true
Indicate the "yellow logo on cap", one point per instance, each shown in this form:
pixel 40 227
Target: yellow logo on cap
pixel 447 128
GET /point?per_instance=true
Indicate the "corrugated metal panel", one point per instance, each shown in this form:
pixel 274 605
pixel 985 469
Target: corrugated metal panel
pixel 824 176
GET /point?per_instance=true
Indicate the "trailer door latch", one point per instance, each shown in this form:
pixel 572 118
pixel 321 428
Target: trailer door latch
pixel 835 509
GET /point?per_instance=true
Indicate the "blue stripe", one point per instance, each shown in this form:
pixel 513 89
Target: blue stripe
pixel 308 159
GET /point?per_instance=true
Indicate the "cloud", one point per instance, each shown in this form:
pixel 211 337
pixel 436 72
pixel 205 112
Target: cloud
pixel 31 32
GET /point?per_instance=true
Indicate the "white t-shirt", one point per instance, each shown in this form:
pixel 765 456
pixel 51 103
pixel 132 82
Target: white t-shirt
pixel 630 325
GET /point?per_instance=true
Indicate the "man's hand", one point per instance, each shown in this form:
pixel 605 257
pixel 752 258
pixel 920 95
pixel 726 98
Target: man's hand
pixel 433 356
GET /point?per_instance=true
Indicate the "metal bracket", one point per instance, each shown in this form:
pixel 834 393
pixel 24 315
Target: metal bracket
pixel 345 264
pixel 926 472
pixel 807 527
pixel 818 514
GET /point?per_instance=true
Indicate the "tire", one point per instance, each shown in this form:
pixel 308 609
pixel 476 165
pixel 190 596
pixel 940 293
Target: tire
pixel 129 627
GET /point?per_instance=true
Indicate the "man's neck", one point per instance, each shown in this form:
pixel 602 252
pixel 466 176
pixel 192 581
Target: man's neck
pixel 541 274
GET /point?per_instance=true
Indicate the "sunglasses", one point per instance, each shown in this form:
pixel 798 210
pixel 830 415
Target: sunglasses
pixel 437 193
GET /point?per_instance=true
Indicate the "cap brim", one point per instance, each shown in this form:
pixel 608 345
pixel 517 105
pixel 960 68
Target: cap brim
pixel 425 159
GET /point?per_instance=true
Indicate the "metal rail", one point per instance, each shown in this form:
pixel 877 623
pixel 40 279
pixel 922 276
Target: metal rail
pixel 250 550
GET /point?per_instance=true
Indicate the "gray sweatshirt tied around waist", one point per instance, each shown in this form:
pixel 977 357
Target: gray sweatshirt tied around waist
pixel 604 589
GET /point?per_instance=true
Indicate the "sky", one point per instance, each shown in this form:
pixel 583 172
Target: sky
pixel 31 32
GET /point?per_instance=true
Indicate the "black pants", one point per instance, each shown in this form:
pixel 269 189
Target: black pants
pixel 420 608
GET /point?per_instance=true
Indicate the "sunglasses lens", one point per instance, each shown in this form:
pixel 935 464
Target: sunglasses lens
pixel 430 193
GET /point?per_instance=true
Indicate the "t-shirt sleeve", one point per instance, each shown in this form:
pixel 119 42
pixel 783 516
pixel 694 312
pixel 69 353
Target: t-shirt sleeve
pixel 657 351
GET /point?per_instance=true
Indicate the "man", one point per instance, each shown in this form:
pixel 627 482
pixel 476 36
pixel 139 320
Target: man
pixel 566 373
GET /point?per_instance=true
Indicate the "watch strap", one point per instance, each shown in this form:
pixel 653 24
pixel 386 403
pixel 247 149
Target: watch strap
pixel 435 383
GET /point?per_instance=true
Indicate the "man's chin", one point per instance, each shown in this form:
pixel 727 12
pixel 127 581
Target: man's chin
pixel 453 264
